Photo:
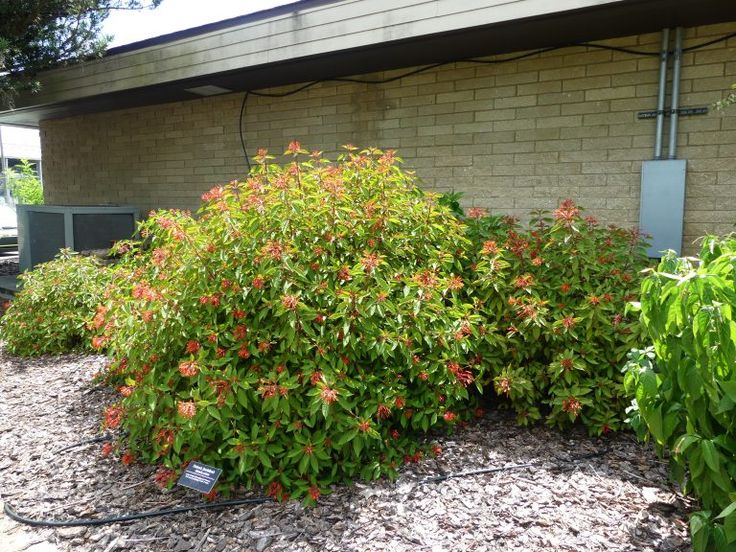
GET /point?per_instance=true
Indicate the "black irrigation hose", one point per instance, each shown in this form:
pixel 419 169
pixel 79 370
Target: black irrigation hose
pixel 446 476
pixel 87 522
pixel 441 64
pixel 81 522
pixel 100 439
pixel 481 471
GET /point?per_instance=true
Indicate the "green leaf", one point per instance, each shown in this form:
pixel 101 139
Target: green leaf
pixel 684 442
pixel 729 388
pixel 710 455
pixel 727 511
pixel 729 528
pixel 265 460
pixel 303 463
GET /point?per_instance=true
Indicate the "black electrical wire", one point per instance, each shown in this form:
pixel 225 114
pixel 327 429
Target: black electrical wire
pixel 240 128
pixel 441 64
pixel 709 43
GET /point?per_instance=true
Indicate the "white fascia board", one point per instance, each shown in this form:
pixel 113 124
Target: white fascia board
pixel 301 33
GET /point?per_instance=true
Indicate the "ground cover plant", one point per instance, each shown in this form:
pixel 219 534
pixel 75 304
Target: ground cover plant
pixel 685 385
pixel 298 332
pixel 557 291
pixel 49 315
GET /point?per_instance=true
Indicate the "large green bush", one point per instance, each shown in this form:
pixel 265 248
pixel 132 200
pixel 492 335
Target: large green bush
pixel 685 387
pixel 557 292
pixel 298 331
pixel 49 315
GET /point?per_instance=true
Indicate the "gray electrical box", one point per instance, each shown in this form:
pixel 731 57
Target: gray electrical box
pixel 44 229
pixel 662 206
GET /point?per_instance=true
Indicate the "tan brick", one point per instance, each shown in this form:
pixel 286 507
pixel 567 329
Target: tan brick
pixel 611 93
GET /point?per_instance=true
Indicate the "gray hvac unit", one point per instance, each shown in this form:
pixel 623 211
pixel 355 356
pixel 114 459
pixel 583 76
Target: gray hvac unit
pixel 45 229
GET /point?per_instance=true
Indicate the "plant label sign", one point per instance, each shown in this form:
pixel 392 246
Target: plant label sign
pixel 199 477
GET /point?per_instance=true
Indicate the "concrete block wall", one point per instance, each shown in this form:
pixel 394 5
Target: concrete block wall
pixel 513 137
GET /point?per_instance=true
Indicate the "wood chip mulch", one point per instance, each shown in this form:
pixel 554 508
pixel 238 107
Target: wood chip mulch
pixel 581 494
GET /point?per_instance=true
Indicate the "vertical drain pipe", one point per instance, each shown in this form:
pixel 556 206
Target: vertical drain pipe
pixel 674 113
pixel 664 52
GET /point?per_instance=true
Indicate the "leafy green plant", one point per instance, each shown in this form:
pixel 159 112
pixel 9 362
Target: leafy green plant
pixel 685 385
pixel 728 101
pixel 299 332
pixel 556 292
pixel 24 184
pixel 49 314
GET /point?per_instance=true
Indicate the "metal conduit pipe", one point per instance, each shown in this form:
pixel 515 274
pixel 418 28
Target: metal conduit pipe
pixel 675 107
pixel 661 92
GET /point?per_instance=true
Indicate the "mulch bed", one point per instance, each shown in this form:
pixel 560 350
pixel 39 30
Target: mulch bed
pixel 581 494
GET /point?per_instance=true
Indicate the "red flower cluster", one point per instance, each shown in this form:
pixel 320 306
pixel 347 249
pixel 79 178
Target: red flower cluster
pixel 503 386
pixel 159 256
pixel 476 212
pixel 572 405
pixel 455 283
pixel 568 322
pixel 189 368
pixel 524 281
pixel 384 412
pixel 164 476
pixel 239 332
pixel 370 262
pixel 213 194
pixel 427 279
pixel 113 416
pixel 464 377
pixel 145 292
pixel 327 395
pixel 186 409
pixel 107 449
pixel 275 490
pixel 567 212
pixel 290 302
pixel 490 247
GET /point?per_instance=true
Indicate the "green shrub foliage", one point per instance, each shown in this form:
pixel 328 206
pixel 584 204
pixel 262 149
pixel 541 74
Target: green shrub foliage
pixel 49 314
pixel 557 292
pixel 298 331
pixel 685 386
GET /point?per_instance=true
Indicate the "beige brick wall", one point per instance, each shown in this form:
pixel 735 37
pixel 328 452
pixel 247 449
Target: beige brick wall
pixel 513 137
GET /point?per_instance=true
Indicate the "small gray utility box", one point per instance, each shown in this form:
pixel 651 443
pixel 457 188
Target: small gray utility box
pixel 663 204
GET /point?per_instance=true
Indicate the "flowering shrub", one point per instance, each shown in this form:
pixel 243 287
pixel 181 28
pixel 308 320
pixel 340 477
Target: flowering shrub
pixel 297 332
pixel 685 386
pixel 557 291
pixel 50 312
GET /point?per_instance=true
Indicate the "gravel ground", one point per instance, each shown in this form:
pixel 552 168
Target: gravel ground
pixel 618 498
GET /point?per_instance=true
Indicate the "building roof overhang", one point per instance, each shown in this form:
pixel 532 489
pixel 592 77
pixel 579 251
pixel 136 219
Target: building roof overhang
pixel 320 39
